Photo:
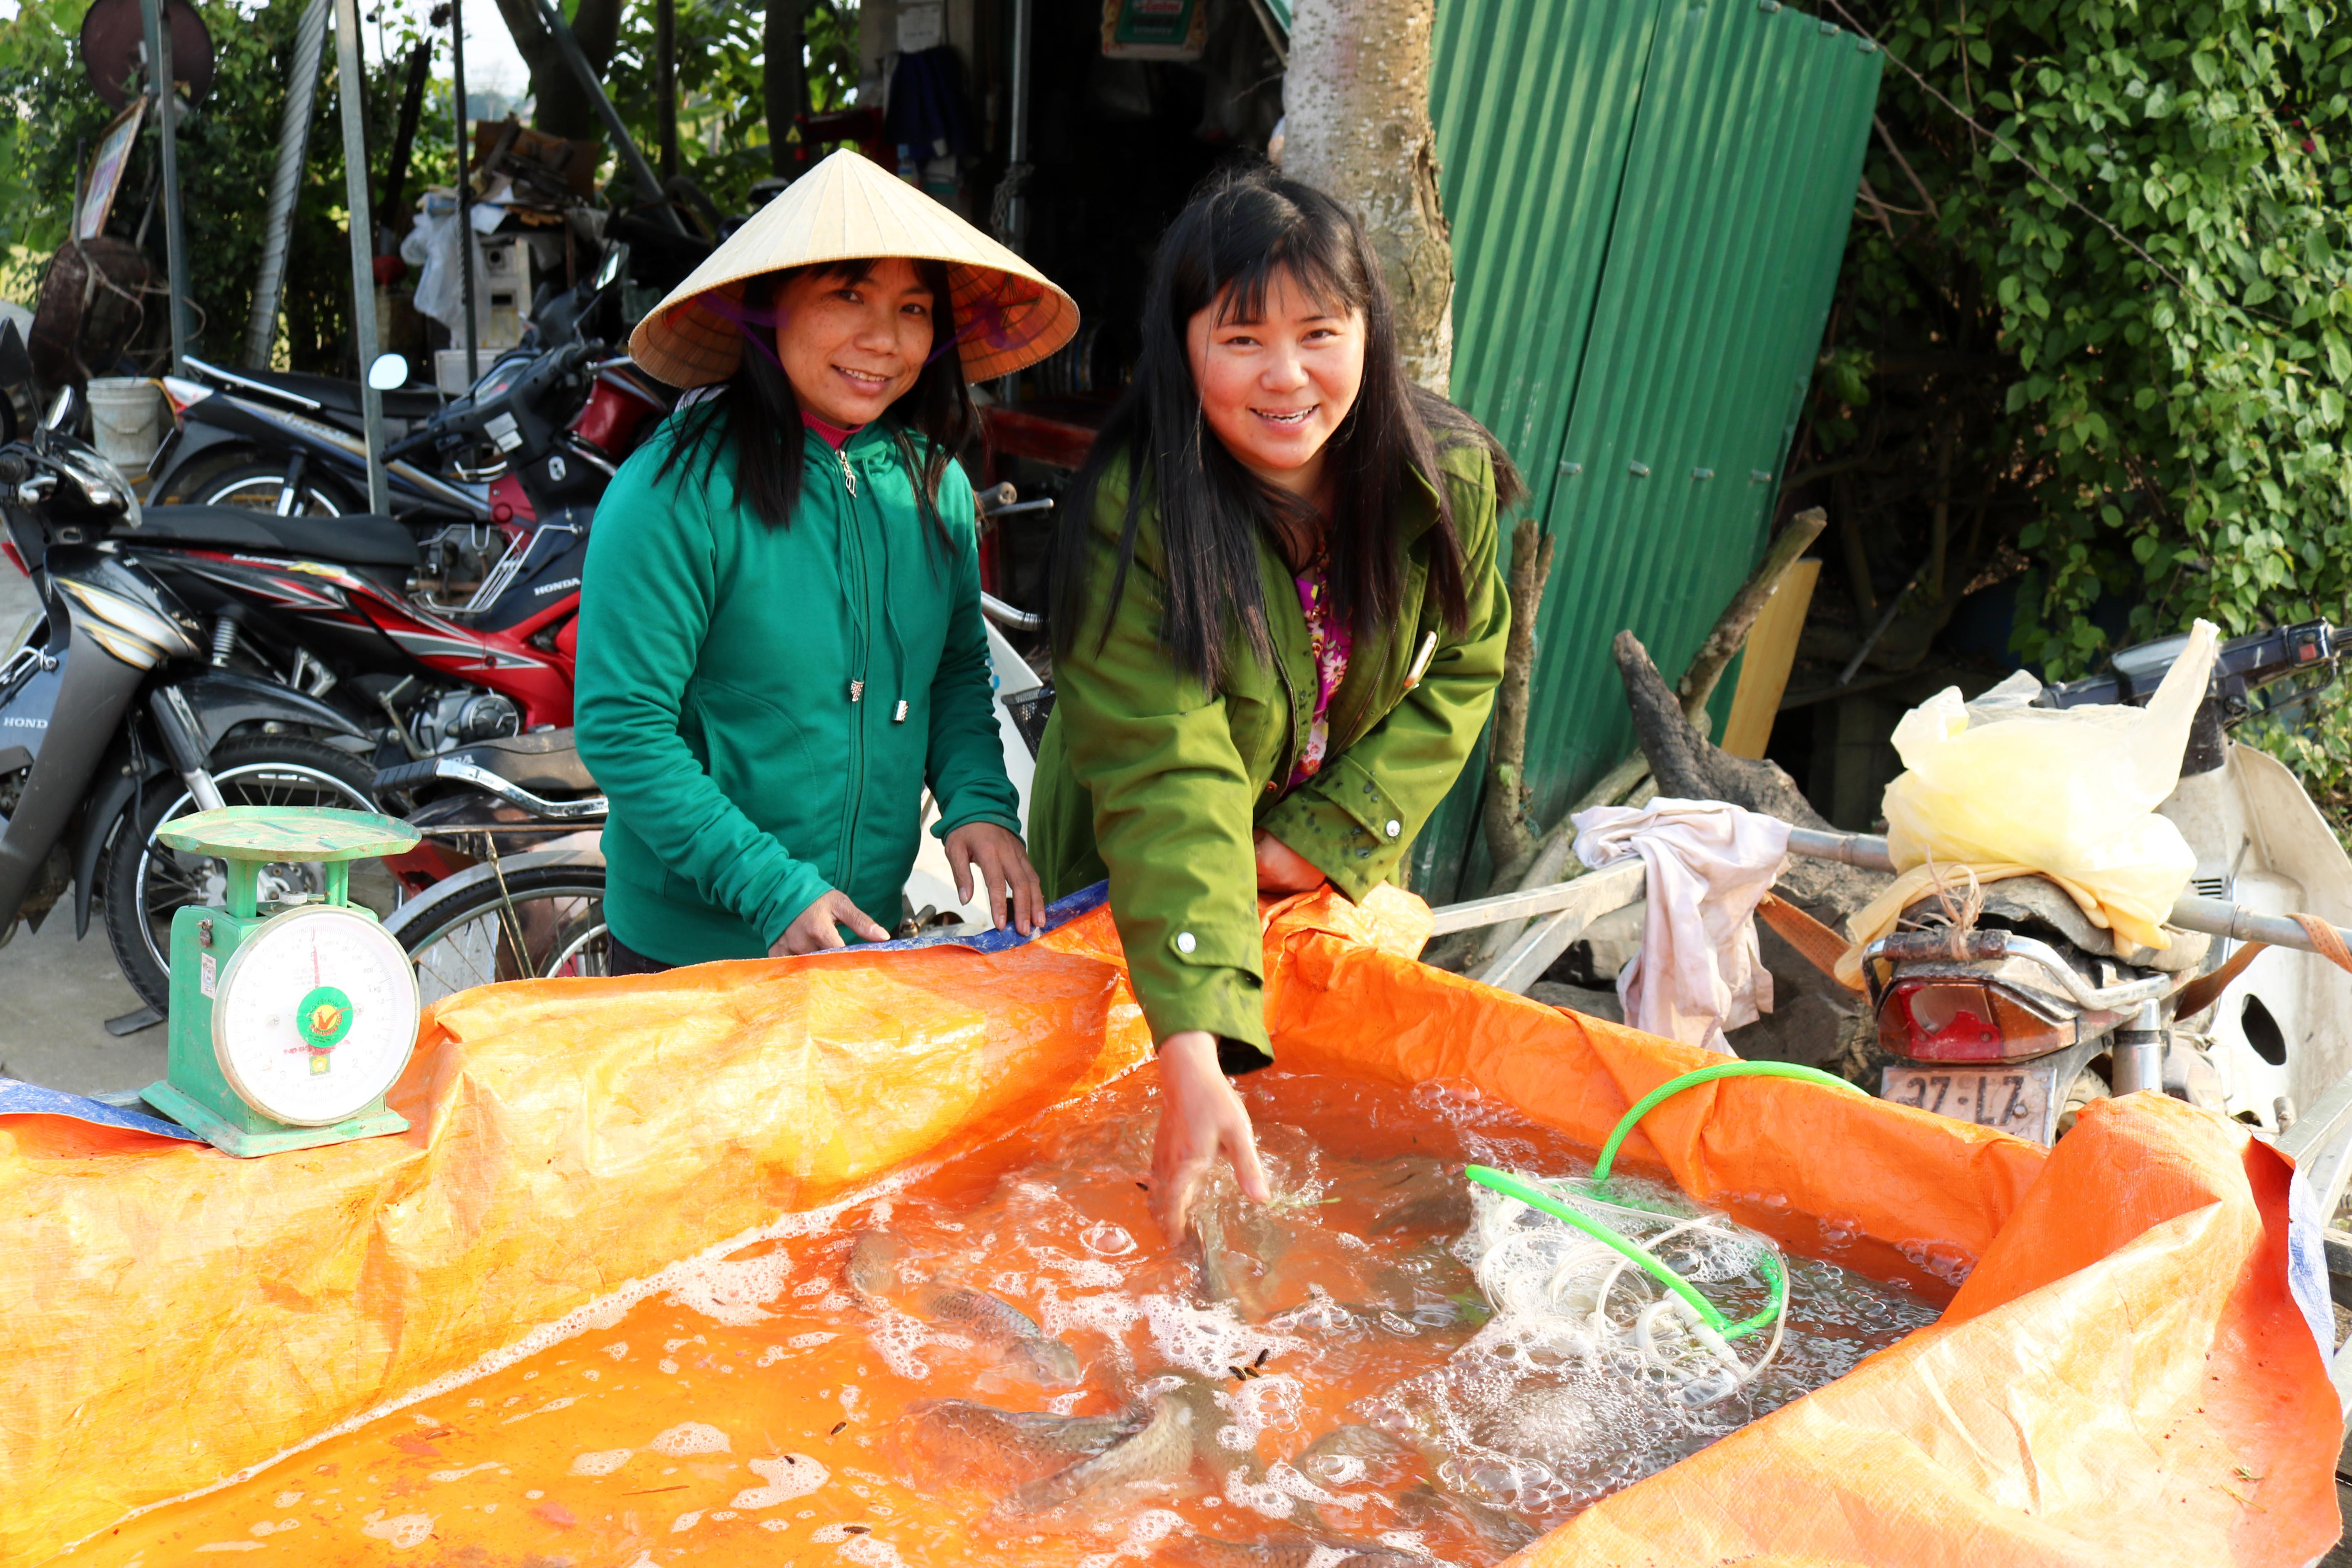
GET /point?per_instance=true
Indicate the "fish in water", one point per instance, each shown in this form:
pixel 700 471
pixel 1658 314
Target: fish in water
pixel 1239 1245
pixel 1352 1456
pixel 1155 1458
pixel 1430 1508
pixel 979 1444
pixel 1421 1194
pixel 1177 1432
pixel 1288 1551
pixel 878 1277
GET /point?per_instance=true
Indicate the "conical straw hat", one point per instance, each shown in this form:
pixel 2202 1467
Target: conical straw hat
pixel 849 208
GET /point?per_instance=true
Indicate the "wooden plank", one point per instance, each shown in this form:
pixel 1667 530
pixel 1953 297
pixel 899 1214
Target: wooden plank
pixel 1597 891
pixel 1769 655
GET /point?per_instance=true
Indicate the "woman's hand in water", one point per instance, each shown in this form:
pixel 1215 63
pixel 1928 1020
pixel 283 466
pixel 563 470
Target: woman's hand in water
pixel 1281 868
pixel 1007 881
pixel 1200 1117
pixel 813 930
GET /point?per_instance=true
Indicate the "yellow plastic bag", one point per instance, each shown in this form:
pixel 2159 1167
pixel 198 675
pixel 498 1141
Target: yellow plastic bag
pixel 2069 793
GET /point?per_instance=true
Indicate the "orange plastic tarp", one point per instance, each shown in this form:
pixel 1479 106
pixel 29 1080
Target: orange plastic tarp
pixel 2123 1376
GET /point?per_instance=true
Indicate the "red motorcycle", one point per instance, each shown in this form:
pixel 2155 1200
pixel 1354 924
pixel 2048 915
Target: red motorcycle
pixel 376 646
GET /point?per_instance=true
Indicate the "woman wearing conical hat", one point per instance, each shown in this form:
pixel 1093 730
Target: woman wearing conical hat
pixel 780 641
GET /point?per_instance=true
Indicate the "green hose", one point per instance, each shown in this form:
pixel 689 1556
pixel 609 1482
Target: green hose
pixel 1512 1187
pixel 1769 1262
pixel 1673 1086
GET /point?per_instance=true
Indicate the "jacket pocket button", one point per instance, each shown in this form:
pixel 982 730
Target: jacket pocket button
pixel 1395 826
pixel 1184 943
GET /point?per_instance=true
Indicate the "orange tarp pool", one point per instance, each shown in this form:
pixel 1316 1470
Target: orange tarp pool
pixel 2124 1374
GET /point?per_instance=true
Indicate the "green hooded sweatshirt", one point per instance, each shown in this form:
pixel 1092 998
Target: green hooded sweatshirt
pixel 1149 778
pixel 763 707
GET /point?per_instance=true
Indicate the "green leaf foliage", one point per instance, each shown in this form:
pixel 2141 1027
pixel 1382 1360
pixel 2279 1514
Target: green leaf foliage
pixel 2107 268
pixel 50 118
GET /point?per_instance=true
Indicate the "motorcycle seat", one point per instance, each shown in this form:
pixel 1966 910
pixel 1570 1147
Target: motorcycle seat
pixel 2025 901
pixel 342 397
pixel 358 539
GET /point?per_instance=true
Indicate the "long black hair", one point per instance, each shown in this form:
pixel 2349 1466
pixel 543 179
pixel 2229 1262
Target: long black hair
pixel 1242 232
pixel 756 413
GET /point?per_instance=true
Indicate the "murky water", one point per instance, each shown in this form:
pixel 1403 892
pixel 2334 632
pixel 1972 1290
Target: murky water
pixel 1001 1361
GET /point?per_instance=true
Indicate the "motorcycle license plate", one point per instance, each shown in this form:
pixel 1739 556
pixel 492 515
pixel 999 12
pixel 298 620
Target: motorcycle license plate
pixel 2020 1097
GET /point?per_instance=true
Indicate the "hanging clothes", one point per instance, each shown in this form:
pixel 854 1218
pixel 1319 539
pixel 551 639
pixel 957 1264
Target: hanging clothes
pixel 1707 864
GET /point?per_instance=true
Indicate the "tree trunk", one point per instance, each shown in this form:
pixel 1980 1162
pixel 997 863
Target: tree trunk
pixel 1356 99
pixel 784 78
pixel 565 107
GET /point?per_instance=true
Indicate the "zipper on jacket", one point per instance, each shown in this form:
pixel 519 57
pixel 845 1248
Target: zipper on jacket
pixel 855 540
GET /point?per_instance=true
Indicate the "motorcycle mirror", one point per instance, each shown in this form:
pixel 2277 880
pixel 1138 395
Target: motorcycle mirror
pixel 614 259
pixel 16 360
pixel 389 374
pixel 60 410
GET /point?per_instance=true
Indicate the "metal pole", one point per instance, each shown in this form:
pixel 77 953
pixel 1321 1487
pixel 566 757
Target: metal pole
pixel 348 72
pixel 649 185
pixel 465 192
pixel 665 85
pixel 1016 141
pixel 163 88
pixel 286 183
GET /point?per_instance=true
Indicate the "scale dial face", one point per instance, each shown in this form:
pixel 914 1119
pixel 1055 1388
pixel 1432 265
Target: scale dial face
pixel 315 1016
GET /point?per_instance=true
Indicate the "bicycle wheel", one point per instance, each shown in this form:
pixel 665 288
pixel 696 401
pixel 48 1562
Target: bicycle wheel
pixel 538 915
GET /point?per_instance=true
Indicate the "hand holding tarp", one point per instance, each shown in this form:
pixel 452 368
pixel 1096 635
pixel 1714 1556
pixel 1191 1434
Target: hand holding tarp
pixel 812 929
pixel 1007 881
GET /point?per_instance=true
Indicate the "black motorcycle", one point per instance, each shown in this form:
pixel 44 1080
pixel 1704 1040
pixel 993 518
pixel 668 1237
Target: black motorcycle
pixel 294 445
pixel 113 717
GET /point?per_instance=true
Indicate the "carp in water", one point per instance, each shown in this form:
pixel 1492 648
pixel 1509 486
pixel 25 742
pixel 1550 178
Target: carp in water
pixel 880 1275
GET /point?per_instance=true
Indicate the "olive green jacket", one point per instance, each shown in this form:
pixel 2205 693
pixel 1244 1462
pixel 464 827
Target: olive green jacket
pixel 1150 779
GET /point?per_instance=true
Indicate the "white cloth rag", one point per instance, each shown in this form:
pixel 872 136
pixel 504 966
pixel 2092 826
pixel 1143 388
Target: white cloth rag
pixel 1706 866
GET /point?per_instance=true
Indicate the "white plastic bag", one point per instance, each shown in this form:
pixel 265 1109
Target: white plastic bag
pixel 2069 793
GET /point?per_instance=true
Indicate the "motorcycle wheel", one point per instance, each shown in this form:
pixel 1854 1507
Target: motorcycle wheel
pixel 145 881
pixel 257 484
pixel 537 916
pixel 2087 1088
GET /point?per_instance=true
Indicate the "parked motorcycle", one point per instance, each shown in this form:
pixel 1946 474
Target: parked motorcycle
pixel 112 720
pixel 2017 1019
pixel 454 471
pixel 335 642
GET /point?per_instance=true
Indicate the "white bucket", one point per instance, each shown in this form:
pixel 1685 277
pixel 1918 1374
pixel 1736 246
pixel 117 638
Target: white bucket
pixel 127 415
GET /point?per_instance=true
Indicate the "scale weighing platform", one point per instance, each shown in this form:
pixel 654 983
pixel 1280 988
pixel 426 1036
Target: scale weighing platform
pixel 289 1020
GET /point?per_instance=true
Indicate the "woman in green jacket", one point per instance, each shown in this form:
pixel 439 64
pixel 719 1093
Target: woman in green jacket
pixel 781 643
pixel 1275 648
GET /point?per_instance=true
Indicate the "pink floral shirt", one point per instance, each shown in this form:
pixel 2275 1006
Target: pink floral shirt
pixel 1332 643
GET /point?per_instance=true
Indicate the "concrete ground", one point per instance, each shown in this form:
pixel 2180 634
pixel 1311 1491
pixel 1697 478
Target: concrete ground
pixel 56 994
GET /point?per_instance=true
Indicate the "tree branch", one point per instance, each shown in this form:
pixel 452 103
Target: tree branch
pixel 1508 839
pixel 1546 858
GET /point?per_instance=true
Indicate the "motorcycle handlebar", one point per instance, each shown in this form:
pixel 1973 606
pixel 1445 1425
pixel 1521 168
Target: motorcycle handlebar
pixel 2244 664
pixel 470 418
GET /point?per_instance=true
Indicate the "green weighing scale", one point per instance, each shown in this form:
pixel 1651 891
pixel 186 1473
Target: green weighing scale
pixel 291 1018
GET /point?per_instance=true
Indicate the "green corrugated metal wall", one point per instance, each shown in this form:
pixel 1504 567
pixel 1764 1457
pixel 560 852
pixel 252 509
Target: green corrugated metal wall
pixel 1649 199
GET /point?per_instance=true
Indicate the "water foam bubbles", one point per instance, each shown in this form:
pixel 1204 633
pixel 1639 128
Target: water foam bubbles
pixel 792 1476
pixel 733 1291
pixel 1108 1240
pixel 601 1462
pixel 403 1531
pixel 690 1438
